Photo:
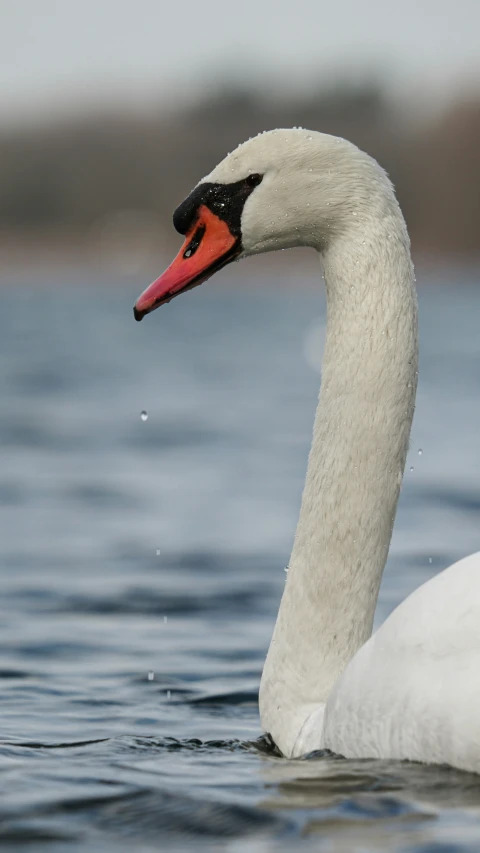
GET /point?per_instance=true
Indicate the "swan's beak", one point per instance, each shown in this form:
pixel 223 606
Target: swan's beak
pixel 208 246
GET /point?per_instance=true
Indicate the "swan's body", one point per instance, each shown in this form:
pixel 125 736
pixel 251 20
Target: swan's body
pixel 412 690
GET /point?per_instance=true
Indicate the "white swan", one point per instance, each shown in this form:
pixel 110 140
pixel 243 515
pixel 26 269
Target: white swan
pixel 412 690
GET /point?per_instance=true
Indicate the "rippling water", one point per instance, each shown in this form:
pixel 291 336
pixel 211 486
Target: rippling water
pixel 142 565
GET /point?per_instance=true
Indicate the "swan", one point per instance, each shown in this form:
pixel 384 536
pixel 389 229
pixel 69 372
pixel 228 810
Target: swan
pixel 412 689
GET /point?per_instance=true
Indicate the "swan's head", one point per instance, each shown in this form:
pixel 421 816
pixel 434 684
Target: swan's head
pixel 283 188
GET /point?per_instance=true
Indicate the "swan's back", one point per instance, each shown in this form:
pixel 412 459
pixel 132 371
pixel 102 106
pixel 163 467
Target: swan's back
pixel 413 690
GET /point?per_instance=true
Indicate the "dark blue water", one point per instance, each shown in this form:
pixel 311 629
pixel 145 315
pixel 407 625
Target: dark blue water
pixel 142 563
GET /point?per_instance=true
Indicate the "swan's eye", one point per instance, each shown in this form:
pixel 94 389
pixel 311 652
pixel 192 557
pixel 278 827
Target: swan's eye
pixel 194 242
pixel 253 180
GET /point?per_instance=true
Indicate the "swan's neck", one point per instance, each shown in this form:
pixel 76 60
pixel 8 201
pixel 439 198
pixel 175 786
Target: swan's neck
pixel 355 469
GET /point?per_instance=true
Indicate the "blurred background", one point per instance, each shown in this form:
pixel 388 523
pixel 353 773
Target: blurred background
pixel 151 473
pixel 110 112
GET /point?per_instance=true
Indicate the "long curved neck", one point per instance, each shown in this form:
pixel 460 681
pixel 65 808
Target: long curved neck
pixel 355 469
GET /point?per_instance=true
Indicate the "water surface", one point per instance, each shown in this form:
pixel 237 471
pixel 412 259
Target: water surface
pixel 142 564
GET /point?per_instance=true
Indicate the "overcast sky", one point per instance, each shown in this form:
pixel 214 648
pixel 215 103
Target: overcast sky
pixel 55 53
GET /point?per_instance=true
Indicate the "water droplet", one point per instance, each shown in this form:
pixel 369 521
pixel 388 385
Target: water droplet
pixel 430 560
pixel 158 552
pixel 309 137
pixel 420 451
pixel 354 213
pixel 151 675
pixel 165 620
pixel 411 467
pixel 144 416
pixel 286 570
pixel 169 694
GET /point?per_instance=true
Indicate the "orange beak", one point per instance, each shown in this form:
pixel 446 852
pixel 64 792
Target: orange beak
pixel 209 245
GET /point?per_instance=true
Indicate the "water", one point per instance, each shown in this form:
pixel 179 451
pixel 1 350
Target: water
pixel 142 563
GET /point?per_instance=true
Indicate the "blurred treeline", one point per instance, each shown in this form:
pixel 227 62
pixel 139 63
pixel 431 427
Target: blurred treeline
pixel 64 177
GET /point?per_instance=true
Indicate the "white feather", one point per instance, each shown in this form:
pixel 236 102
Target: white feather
pixel 412 691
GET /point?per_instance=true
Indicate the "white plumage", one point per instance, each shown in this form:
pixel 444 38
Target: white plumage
pixel 412 690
